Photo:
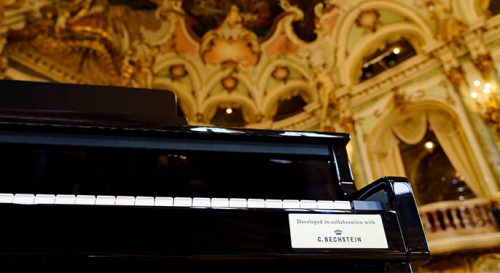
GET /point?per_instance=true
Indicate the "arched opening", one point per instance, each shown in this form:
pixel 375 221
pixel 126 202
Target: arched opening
pixel 228 116
pixel 389 148
pixel 427 165
pixel 287 101
pixel 289 107
pixel 387 56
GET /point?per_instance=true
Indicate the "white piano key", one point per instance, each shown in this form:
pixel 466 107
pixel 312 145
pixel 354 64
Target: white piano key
pixel 105 200
pixel 325 204
pixel 308 204
pixel 183 202
pixel 125 201
pixel 201 202
pixel 85 200
pixel 45 199
pixel 65 199
pixel 237 203
pixel 274 203
pixel 339 204
pixel 145 201
pixel 220 202
pixel 291 204
pixel 6 198
pixel 23 198
pixel 256 203
pixel 164 201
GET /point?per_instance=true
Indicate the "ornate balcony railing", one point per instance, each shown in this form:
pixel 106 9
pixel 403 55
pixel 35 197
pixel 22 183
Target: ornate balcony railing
pixel 460 225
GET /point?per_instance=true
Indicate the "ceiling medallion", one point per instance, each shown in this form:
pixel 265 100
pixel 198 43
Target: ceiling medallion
pixel 368 19
pixel 281 73
pixel 177 71
pixel 229 83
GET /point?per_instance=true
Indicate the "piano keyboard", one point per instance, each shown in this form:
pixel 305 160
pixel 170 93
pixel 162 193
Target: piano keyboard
pixel 150 201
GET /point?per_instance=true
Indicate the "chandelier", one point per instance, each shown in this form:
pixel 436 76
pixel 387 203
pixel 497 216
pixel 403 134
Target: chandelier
pixel 486 99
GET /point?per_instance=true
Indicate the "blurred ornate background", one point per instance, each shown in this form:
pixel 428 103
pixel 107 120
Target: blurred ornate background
pixel 415 82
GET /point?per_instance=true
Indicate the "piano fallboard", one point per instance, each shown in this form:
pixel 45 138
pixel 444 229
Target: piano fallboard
pixel 169 236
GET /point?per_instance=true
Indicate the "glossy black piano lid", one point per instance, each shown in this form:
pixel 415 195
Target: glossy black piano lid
pixel 79 170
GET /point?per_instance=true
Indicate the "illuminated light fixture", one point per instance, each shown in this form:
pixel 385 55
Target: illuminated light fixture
pixel 396 50
pixel 429 145
pixel 229 110
pixel 485 99
pixel 487 88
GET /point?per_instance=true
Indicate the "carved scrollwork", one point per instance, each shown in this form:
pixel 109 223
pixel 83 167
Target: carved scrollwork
pixel 231 42
pixel 484 63
pixel 448 25
pixel 456 75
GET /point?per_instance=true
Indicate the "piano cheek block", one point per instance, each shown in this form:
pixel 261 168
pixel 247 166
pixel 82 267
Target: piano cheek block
pixel 136 192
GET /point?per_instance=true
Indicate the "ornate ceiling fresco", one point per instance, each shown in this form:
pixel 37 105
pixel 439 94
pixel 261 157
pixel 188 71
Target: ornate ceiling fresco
pixel 359 66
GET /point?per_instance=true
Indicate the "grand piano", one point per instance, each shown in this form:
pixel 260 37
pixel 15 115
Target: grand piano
pixel 112 179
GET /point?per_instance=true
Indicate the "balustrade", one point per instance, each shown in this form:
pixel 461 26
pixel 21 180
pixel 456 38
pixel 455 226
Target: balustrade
pixel 452 218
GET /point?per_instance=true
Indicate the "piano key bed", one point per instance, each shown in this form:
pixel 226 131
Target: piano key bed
pixel 150 201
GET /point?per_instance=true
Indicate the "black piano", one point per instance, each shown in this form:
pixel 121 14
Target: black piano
pixel 112 179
